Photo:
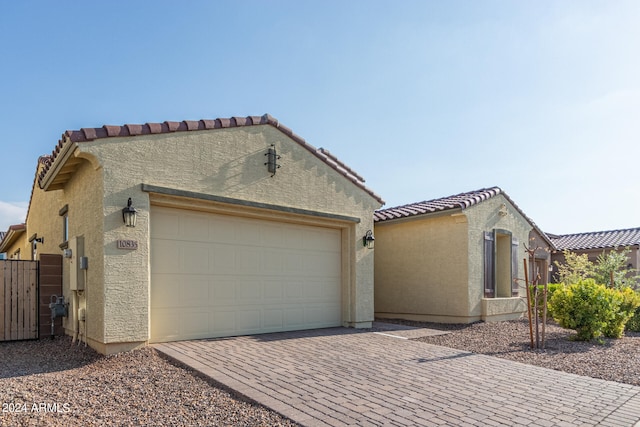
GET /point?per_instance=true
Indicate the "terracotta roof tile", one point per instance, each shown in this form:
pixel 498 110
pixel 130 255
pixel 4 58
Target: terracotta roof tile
pixel 154 127
pixel 458 201
pixel 110 131
pixel 597 239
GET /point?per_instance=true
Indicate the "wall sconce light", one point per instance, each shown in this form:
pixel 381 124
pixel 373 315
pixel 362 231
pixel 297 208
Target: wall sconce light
pixel 368 240
pixel 272 160
pixel 129 214
pixel 39 240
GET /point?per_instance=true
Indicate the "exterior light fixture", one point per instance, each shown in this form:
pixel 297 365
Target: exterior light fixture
pixel 129 214
pixel 272 160
pixel 368 240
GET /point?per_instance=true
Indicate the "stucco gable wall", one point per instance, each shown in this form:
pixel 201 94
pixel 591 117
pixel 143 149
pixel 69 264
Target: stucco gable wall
pixel 39 221
pixel 421 268
pixel 483 217
pixel 227 163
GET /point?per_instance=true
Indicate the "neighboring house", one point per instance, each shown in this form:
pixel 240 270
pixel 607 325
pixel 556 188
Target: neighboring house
pixel 11 242
pixel 241 227
pixel 595 243
pixel 454 259
pixel 2 254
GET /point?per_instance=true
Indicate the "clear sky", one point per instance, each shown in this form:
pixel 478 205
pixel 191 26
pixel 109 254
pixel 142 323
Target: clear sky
pixel 423 98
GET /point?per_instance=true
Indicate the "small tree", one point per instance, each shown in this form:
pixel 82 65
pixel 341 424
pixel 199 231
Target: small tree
pixel 575 268
pixel 612 269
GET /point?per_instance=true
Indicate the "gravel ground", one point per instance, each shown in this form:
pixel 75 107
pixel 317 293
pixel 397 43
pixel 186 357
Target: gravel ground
pixel 615 360
pixel 73 386
pixel 55 383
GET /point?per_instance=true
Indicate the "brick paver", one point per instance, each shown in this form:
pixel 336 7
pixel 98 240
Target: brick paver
pixel 339 376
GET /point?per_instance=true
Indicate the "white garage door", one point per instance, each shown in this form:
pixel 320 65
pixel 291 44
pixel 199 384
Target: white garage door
pixel 219 275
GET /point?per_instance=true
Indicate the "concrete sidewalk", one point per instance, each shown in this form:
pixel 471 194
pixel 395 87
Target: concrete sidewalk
pixel 344 377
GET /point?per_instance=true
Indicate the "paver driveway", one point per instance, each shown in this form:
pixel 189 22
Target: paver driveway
pixel 342 376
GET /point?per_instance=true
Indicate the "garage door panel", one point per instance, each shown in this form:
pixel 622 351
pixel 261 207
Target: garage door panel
pixel 222 276
pixel 194 291
pixel 247 233
pixel 222 230
pixel 248 260
pixel 273 291
pixel 294 318
pixel 249 291
pixel 195 258
pixel 164 288
pixel 165 225
pixel 195 324
pixel 321 291
pixel 273 261
pixel 248 321
pixel 194 228
pixel 223 323
pixel 224 292
pixel 166 257
pixel 273 318
pixel 222 259
pixel 320 315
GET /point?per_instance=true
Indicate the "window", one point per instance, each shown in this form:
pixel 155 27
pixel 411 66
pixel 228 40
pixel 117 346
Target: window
pixel 500 264
pixel 64 213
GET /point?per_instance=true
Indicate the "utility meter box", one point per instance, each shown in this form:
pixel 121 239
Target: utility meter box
pixel 76 262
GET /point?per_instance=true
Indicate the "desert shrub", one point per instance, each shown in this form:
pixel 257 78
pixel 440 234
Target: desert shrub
pixel 633 324
pixel 628 301
pixel 594 310
pixel 585 307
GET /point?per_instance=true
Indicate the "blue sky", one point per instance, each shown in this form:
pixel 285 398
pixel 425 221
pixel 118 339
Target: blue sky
pixel 423 98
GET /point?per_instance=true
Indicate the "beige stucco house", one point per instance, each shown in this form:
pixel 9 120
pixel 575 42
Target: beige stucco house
pixel 454 259
pixel 242 227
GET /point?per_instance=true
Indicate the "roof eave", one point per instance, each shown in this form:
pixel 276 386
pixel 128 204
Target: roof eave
pixel 11 236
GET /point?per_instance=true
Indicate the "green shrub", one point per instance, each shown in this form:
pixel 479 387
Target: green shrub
pixel 585 307
pixel 551 289
pixel 628 301
pixel 594 310
pixel 633 324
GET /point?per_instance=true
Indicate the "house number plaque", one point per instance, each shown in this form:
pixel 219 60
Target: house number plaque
pixel 127 244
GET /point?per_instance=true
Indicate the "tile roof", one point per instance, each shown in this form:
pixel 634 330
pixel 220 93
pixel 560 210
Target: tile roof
pixel 128 130
pixel 597 239
pixel 458 201
pixel 2 233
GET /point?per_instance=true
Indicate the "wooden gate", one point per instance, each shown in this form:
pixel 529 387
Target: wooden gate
pixel 18 300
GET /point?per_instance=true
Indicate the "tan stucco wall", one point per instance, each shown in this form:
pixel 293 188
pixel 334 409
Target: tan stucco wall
pixel 225 162
pixel 421 269
pixel 431 267
pixel 483 217
pixel 83 195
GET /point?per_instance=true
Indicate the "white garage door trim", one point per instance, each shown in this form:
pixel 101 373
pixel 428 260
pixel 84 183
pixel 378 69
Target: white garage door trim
pixel 218 275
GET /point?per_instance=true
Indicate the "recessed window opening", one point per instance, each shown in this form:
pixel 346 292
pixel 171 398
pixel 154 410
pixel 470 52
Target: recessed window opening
pixel 503 265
